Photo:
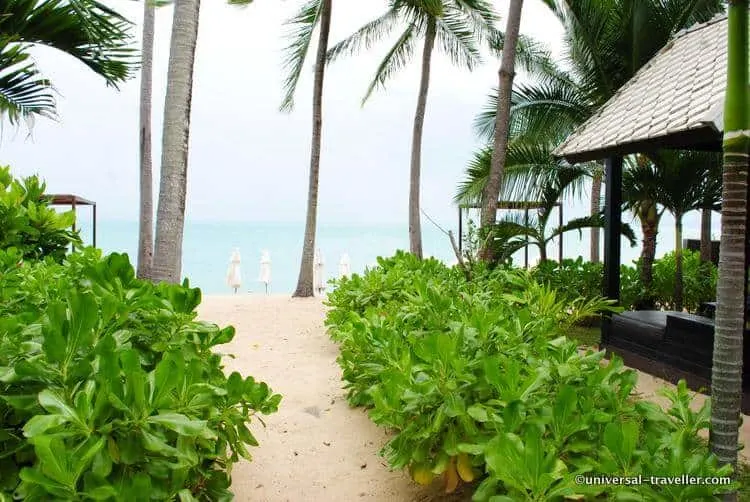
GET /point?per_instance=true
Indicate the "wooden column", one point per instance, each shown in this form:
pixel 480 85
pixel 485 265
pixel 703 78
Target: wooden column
pixel 75 216
pixel 93 209
pixel 526 247
pixel 560 243
pixel 460 230
pixel 612 233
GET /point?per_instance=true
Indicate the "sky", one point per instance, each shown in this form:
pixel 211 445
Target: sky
pixel 250 162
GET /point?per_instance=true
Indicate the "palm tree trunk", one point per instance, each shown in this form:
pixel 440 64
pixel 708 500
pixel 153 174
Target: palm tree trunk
pixel 726 374
pixel 170 216
pixel 542 252
pixel 146 218
pixel 305 280
pixel 505 86
pixel 649 217
pixel 415 224
pixel 706 244
pixel 596 195
pixel 678 262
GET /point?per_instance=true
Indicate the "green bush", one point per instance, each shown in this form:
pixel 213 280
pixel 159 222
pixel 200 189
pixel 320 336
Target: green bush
pixel 574 278
pixel 110 389
pixel 476 380
pixel 29 224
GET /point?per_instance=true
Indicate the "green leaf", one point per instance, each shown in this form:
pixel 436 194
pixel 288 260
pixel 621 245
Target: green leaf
pixel 182 424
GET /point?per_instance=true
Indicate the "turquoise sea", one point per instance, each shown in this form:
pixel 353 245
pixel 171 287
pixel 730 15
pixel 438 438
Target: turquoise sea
pixel 207 248
pixel 208 245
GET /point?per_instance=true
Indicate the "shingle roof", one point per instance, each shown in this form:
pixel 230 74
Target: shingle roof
pixel 679 93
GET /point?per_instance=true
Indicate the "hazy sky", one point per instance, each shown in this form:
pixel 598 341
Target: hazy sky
pixel 248 161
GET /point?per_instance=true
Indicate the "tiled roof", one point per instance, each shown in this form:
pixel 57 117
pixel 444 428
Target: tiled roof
pixel 681 90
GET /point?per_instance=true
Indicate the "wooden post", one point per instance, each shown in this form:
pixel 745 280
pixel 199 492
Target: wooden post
pixel 560 250
pixel 526 248
pixel 94 223
pixel 612 233
pixel 460 230
pixel 75 216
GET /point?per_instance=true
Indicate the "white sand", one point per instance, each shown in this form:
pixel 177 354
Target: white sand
pixel 316 448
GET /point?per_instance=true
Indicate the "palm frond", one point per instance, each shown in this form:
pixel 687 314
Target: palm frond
pixel 303 25
pixel 396 58
pixel 365 37
pixel 23 91
pixel 458 40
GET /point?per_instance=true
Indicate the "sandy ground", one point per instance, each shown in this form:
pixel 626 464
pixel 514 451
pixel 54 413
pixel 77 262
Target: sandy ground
pixel 316 448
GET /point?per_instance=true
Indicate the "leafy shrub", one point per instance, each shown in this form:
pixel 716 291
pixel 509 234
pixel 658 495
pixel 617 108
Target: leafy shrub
pixel 698 279
pixel 110 389
pixel 476 380
pixel 29 224
pixel 578 278
pixel 572 278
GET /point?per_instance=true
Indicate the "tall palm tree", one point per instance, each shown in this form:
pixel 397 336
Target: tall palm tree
pixel 87 30
pixel 641 184
pixel 170 217
pixel 605 44
pixel 685 185
pixel 500 143
pixel 457 27
pixel 314 13
pixel 146 217
pixel 726 373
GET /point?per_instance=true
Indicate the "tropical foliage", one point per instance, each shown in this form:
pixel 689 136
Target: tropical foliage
pixel 29 224
pixel 478 382
pixel 110 388
pixel 87 30
pixel 578 278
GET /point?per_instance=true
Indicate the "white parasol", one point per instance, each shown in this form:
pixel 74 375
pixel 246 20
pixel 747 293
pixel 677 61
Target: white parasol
pixel 345 266
pixel 234 276
pixel 319 274
pixel 265 269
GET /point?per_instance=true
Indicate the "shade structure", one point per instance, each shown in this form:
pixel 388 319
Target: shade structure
pixel 265 269
pixel 234 275
pixel 345 266
pixel 319 274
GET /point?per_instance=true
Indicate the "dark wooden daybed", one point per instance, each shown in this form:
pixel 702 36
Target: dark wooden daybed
pixel 670 345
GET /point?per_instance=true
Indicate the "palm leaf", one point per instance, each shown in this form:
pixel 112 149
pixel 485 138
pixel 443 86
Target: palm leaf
pixel 23 91
pixel 396 58
pixel 303 25
pixel 365 37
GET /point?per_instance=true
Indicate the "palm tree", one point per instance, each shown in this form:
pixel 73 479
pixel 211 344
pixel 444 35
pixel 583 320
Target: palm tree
pixel 170 218
pixel 457 27
pixel 500 143
pixel 685 185
pixel 726 373
pixel 555 179
pixel 606 43
pixel 312 14
pixel 87 30
pixel 146 217
pixel 641 183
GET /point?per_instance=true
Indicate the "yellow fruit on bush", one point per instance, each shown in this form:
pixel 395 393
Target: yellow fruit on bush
pixel 422 475
pixel 451 477
pixel 464 468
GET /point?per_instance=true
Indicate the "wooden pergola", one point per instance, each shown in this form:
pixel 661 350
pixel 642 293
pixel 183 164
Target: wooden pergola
pixel 74 201
pixel 511 205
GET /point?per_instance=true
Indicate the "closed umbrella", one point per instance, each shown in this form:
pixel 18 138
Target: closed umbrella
pixel 345 266
pixel 319 274
pixel 265 269
pixel 234 276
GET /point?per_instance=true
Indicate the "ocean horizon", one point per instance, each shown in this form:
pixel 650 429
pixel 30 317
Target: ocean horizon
pixel 208 245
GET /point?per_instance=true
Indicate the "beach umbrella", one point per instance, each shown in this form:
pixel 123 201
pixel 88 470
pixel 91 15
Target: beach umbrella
pixel 234 276
pixel 345 266
pixel 319 274
pixel 265 269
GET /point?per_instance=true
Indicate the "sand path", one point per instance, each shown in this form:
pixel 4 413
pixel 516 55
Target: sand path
pixel 316 448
